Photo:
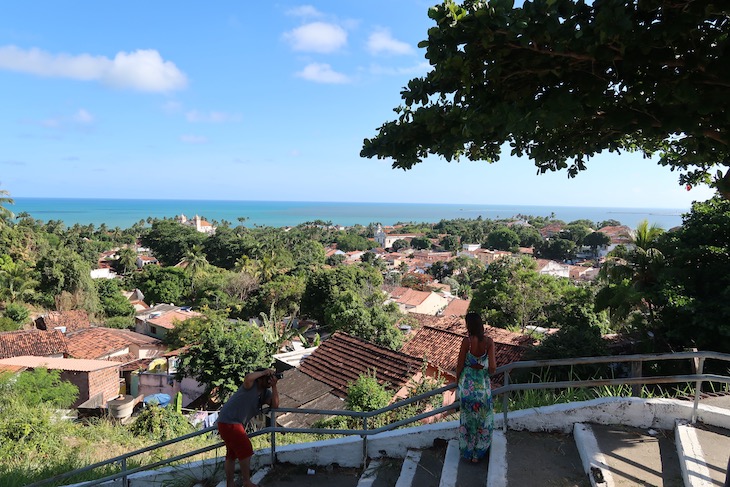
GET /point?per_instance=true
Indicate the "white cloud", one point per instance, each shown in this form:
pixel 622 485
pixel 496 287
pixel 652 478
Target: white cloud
pixel 414 70
pixel 304 11
pixel 142 70
pixel 317 37
pixel 322 73
pixel 194 139
pixel 83 117
pixel 211 117
pixel 381 42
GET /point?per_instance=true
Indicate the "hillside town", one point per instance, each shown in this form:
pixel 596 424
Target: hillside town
pixel 115 369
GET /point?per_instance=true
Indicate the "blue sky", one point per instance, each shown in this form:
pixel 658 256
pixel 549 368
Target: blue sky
pixel 245 101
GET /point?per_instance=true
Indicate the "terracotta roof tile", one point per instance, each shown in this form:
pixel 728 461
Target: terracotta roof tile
pixel 169 319
pixel 457 307
pixel 32 342
pixel 93 343
pixel 409 297
pixel 341 359
pixel 440 348
pixel 499 335
pixel 76 319
pixel 437 346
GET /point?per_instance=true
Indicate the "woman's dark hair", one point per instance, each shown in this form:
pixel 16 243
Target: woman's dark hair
pixel 475 325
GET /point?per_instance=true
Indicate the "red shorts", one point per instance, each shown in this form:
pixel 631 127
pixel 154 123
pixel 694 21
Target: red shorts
pixel 237 443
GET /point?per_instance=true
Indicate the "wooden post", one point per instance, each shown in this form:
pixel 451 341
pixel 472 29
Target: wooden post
pixel 636 373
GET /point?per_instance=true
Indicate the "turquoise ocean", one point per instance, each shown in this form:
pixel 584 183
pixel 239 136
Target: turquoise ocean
pixel 124 213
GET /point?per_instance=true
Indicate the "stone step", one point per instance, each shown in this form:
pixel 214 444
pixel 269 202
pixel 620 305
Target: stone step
pixel 288 475
pixel 704 450
pixel 539 459
pixel 715 443
pixel 635 456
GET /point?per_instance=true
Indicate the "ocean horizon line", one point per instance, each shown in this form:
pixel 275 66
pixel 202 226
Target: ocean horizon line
pixel 125 212
pixel 615 208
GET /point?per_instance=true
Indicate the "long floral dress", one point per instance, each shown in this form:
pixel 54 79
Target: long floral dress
pixel 477 416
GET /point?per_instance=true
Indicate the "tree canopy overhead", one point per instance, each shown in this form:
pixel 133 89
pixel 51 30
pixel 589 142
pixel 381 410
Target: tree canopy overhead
pixel 563 80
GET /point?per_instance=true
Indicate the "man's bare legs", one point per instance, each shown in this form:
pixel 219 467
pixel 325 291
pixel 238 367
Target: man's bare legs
pixel 245 466
pixel 230 467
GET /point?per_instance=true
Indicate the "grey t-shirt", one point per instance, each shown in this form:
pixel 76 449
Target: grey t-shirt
pixel 243 405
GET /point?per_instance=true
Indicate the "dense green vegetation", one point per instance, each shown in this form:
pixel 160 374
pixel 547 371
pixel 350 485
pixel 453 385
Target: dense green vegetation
pixel 671 284
pixel 667 291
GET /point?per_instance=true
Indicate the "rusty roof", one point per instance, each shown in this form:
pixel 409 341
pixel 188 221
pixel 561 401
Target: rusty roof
pixel 342 358
pixel 32 342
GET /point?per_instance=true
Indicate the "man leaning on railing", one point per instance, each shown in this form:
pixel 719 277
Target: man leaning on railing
pixel 243 405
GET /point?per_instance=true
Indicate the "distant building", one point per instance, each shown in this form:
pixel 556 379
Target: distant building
pixel 92 377
pixel 412 301
pixel 198 223
pixel 386 240
pixel 156 321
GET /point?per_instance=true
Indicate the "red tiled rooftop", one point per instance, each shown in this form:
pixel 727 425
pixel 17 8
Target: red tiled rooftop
pixel 342 358
pixel 72 320
pixel 32 342
pixel 409 297
pixel 93 343
pixel 457 307
pixel 456 324
pixel 440 347
pixel 168 319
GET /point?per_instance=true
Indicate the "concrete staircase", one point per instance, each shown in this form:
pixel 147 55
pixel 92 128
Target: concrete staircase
pixel 594 455
pixel 602 443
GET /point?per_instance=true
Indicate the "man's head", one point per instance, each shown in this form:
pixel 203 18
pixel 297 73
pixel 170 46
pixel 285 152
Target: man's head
pixel 266 380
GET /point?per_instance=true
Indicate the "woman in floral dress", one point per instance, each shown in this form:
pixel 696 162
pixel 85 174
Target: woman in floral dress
pixel 475 364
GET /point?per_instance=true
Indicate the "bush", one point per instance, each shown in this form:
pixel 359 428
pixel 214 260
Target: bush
pixel 6 324
pixel 160 423
pixel 365 394
pixel 17 312
pixel 120 322
pixel 45 386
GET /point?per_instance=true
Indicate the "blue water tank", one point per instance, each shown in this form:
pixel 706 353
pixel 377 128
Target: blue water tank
pixel 161 399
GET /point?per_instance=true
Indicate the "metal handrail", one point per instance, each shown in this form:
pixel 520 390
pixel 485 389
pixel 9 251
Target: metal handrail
pixel 365 432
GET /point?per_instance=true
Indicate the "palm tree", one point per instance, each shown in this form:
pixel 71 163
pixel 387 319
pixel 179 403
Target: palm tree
pixel 16 282
pixel 630 282
pixel 127 260
pixel 5 213
pixel 195 263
